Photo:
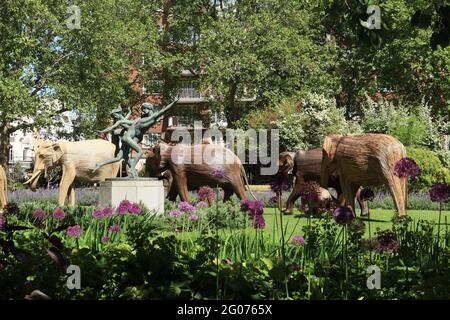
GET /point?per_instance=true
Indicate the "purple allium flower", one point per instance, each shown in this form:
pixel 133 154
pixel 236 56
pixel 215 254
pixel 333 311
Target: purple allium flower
pixel 310 192
pixel 256 211
pixel 440 192
pixel 218 174
pixel 11 208
pixel 202 204
pixel 343 215
pixel 59 214
pixel 105 239
pixel 175 213
pixel 39 214
pixel 97 214
pixel 187 207
pixel 123 207
pixel 135 208
pixel 387 241
pixel 298 240
pixel 259 222
pixel 206 194
pixel 273 201
pixel 406 167
pixel 281 182
pixel 2 221
pixel 193 217
pixel 115 228
pixel 74 231
pixel 107 212
pixel 367 194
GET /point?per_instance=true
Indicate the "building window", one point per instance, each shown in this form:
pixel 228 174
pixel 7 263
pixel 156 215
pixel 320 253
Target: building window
pixel 11 154
pixel 27 155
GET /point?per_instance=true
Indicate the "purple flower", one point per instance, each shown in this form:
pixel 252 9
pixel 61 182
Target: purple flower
pixel 97 214
pixel 193 217
pixel 387 242
pixel 128 207
pixel 343 215
pixel 281 182
pixel 2 221
pixel 175 213
pixel 107 212
pixel 440 192
pixel 39 214
pixel 105 239
pixel 259 222
pixel 59 214
pixel 135 209
pixel 256 211
pixel 406 167
pixel 206 194
pixel 115 228
pixel 298 240
pixel 74 231
pixel 273 201
pixel 367 194
pixel 218 174
pixel 202 204
pixel 123 207
pixel 310 192
pixel 187 207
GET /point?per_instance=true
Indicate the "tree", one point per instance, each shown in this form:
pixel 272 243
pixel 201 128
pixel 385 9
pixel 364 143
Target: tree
pixel 86 70
pixel 266 48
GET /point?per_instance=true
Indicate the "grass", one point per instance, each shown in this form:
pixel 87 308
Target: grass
pixel 379 219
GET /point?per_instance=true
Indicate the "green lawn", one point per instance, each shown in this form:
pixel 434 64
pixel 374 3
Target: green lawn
pixel 379 219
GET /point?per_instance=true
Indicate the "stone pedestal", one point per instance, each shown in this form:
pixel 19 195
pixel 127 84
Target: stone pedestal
pixel 146 191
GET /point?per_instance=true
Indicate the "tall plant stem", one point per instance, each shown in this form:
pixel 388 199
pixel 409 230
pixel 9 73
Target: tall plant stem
pixel 217 241
pixel 283 249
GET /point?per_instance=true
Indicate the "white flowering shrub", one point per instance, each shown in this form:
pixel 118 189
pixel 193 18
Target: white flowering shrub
pixel 292 136
pixel 413 125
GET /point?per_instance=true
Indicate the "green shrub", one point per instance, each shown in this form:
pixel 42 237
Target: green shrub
pixel 411 131
pixel 432 170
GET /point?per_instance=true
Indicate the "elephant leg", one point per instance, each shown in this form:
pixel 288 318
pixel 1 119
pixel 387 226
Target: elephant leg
pixel 295 194
pixel 181 183
pixel 363 204
pixel 349 190
pixel 71 194
pixel 238 188
pixel 66 183
pixel 397 188
pixel 172 192
pixel 227 193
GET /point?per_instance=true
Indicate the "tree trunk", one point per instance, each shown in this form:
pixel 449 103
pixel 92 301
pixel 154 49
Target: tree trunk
pixel 4 145
pixel 231 112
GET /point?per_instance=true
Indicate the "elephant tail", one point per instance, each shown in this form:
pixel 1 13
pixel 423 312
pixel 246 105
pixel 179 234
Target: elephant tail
pixel 244 176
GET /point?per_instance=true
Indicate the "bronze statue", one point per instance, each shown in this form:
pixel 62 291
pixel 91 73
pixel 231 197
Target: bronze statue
pixel 131 133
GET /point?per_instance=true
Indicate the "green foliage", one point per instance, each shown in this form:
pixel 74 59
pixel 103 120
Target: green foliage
pixel 432 170
pixel 410 130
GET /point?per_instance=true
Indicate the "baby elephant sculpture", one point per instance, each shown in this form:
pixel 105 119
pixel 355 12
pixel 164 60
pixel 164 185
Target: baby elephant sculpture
pixel 305 165
pixel 3 189
pixel 77 160
pixel 364 160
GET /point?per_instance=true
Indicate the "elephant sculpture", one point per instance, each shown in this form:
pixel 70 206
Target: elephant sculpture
pixel 77 159
pixel 364 160
pixel 3 189
pixel 189 174
pixel 306 166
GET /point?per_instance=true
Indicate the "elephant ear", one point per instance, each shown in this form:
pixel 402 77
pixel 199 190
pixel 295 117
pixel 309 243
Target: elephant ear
pixel 327 157
pixel 57 152
pixel 286 162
